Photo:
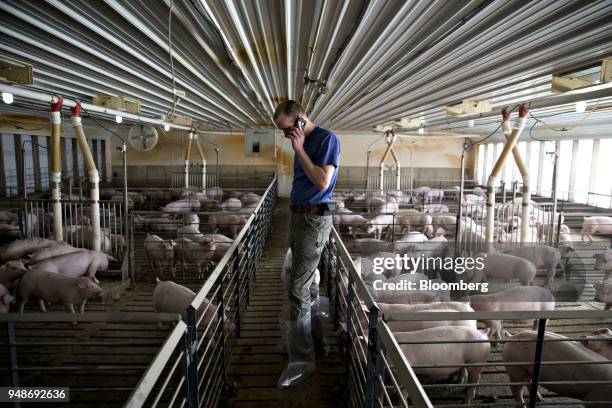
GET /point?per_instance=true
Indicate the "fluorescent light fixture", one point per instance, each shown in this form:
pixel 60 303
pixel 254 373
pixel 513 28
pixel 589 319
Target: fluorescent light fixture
pixel 119 118
pixel 166 127
pixel 580 106
pixel 7 97
pixel 421 130
pixel 471 123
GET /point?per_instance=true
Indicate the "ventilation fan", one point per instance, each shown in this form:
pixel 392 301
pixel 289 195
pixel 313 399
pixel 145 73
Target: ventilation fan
pixel 143 137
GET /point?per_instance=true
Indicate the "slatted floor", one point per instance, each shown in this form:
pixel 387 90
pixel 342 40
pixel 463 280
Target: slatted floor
pixel 255 366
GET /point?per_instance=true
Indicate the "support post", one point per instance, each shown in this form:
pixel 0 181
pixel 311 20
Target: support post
pixel 94 179
pixel 555 181
pixel 187 154
pixel 202 158
pixel 192 366
pixel 126 220
pixel 535 378
pixel 56 169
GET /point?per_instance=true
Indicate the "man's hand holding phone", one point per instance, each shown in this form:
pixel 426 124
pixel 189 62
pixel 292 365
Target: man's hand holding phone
pixel 296 134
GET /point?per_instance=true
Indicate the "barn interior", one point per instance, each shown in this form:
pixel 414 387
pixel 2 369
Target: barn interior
pixel 139 152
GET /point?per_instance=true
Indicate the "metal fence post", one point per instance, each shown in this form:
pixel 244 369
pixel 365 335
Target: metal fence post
pixel 192 349
pixel 535 378
pixel 349 325
pixel 10 329
pixel 337 291
pixel 371 357
pixel 237 283
pixel 221 315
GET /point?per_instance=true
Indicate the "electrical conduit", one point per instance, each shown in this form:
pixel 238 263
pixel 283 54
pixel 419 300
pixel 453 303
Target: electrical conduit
pixel 187 154
pixel 56 169
pixel 203 158
pixel 492 181
pixel 94 192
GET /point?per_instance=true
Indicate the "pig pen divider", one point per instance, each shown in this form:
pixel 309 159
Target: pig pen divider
pixel 365 365
pixel 213 321
pixel 542 318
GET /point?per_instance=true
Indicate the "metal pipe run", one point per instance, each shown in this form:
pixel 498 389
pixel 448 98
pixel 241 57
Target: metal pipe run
pixel 514 135
pixel 56 168
pixel 203 164
pixel 390 138
pixel 526 193
pixel 187 154
pixel 94 179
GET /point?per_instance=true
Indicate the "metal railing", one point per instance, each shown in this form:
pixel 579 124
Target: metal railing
pixel 369 368
pixel 195 179
pixel 599 200
pixel 213 323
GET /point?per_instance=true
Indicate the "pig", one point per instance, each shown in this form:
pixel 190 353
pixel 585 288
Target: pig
pixel 414 325
pixel 50 252
pixel 593 225
pixel 434 195
pixel 367 246
pixel 479 191
pixel 20 248
pixel 160 253
pixel 57 289
pixel 118 198
pixel 600 341
pixel 420 221
pixel 81 236
pixel 250 198
pixel 447 222
pixel 374 204
pixel 603 293
pixel 191 219
pixel 473 199
pixel 389 208
pixel 502 267
pixel 542 256
pixel 235 194
pixel 216 193
pixel 523 351
pixel 475 351
pixel 352 222
pixel 218 238
pixel 189 231
pixel 231 204
pixel 11 272
pixel 156 224
pixel 227 222
pixel 5 299
pixel 435 208
pixel 380 223
pixel 189 251
pixel 412 237
pixel 603 262
pixel 183 205
pixel 520 298
pixel 170 297
pixel 75 264
pixel 421 193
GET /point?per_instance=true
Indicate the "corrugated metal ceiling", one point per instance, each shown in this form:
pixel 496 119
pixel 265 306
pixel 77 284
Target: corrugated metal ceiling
pixel 379 60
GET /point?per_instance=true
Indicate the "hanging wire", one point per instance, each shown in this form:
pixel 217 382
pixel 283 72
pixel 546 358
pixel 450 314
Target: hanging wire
pixel 174 97
pixel 16 126
pixel 89 115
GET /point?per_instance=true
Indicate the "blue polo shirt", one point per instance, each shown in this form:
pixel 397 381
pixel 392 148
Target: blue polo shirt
pixel 323 148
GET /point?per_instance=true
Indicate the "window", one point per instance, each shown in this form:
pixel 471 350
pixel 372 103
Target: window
pixel 534 161
pixel 547 170
pixel 583 170
pixel 481 159
pixel 10 164
pixel 564 169
pixel 43 154
pixel 603 182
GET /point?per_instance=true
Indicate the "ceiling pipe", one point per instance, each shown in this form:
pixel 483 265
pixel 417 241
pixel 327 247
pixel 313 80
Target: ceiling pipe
pixel 187 154
pixel 56 168
pixel 526 193
pixel 203 160
pixel 493 177
pixel 94 179
pixel 43 97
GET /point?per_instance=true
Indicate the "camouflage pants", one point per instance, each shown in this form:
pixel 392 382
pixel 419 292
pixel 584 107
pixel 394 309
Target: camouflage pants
pixel 307 237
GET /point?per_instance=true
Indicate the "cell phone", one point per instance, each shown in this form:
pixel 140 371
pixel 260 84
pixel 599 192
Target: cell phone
pixel 299 123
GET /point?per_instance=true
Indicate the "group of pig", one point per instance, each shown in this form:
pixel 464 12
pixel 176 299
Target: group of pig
pixel 436 349
pixel 51 271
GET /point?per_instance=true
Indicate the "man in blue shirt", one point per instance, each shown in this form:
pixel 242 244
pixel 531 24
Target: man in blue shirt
pixel 317 151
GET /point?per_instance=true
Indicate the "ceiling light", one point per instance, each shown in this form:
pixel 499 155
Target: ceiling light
pixel 7 97
pixel 421 130
pixel 166 127
pixel 471 123
pixel 580 106
pixel 119 118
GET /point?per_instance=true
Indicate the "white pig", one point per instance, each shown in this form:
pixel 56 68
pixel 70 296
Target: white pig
pixel 600 341
pixel 518 299
pixel 5 299
pixel 502 267
pixel 227 222
pixel 556 351
pixel 592 225
pixel 542 256
pixel 188 251
pixel 417 221
pixel 603 262
pixel 447 222
pixel 380 223
pixel 20 248
pixel 57 289
pixel 75 264
pixel 10 272
pixel 160 253
pixel 475 352
pixel 603 292
pixel 352 222
pixel 50 252
pixel 231 204
pixel 183 205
